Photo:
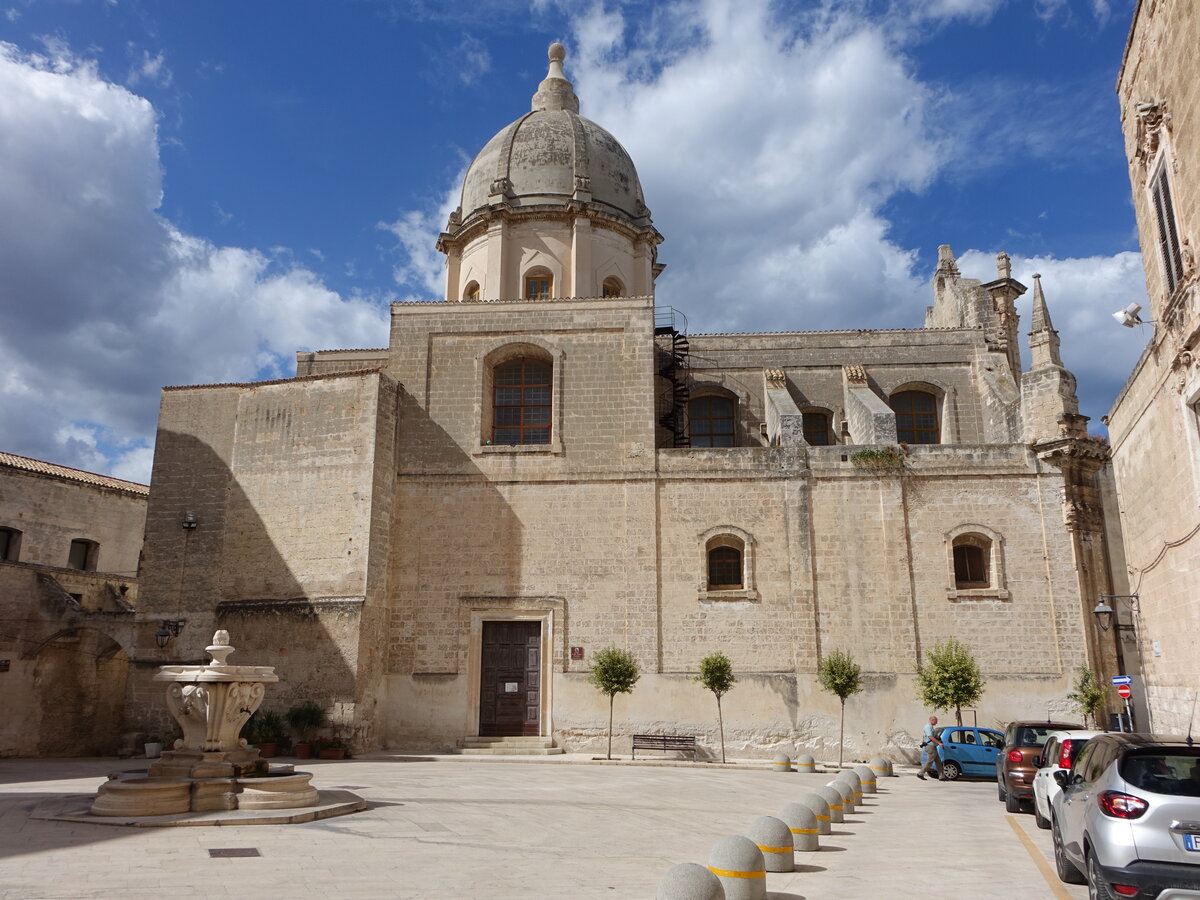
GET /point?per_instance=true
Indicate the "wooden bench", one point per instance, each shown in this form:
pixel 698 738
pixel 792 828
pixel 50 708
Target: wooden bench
pixel 686 743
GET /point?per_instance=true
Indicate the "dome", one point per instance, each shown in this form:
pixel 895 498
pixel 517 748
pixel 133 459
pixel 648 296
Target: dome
pixel 552 155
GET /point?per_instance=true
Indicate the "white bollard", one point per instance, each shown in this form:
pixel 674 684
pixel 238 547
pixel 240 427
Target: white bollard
pixel 806 764
pixel 781 763
pixel 866 775
pixel 820 807
pixel 852 779
pixel 739 864
pixel 834 798
pixel 846 789
pixel 881 766
pixel 774 839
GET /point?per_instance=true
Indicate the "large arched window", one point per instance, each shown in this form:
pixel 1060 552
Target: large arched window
pixel 710 421
pixel 10 544
pixel 539 284
pixel 916 417
pixel 521 398
pixel 816 427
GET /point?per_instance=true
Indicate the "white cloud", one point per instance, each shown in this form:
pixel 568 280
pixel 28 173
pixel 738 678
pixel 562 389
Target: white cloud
pixel 101 299
pixel 472 60
pixel 153 69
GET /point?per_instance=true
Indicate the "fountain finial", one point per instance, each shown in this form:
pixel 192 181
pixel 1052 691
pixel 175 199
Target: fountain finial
pixel 220 648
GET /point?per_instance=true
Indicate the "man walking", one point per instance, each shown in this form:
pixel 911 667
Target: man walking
pixel 930 743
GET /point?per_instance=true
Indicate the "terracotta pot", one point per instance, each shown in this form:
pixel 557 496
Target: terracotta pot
pixel 303 751
pixel 268 749
pixel 332 753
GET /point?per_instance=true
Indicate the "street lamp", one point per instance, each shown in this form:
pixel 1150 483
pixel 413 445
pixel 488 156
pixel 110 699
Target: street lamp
pixel 168 629
pixel 1105 614
pixel 1108 619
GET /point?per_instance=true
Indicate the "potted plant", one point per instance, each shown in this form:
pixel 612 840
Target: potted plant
pixel 153 745
pixel 305 718
pixel 266 730
pixel 331 748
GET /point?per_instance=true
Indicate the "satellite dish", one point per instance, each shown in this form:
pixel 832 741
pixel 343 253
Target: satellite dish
pixel 1129 315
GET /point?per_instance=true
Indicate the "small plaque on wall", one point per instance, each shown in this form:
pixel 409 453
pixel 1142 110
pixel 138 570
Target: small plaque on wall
pixel 510 687
pixel 576 653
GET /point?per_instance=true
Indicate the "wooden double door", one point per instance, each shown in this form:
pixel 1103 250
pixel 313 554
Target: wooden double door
pixel 510 688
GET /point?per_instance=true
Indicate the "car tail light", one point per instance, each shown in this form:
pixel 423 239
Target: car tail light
pixel 1125 890
pixel 1121 806
pixel 1064 758
pixel 1015 756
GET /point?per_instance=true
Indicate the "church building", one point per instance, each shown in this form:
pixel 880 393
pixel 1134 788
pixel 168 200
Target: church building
pixel 433 538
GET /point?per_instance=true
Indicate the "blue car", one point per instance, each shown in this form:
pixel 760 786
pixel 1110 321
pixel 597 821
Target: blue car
pixel 967 750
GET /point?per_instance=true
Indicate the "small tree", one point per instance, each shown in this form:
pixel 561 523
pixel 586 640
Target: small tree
pixel 613 671
pixel 716 674
pixel 950 678
pixel 1087 695
pixel 841 676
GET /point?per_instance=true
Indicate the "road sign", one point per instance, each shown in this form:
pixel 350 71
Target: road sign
pixel 1122 679
pixel 1124 691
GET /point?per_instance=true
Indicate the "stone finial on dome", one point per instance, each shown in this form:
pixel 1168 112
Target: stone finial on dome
pixel 555 91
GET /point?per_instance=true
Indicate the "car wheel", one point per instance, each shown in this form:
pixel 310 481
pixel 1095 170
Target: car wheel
pixel 1012 803
pixel 1065 868
pixel 1042 821
pixel 951 771
pixel 1097 887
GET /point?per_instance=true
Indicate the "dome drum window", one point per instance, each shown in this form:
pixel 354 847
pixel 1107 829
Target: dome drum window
pixel 539 284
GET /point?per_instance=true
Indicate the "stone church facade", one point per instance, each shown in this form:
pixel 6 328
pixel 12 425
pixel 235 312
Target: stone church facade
pixel 1155 422
pixel 433 538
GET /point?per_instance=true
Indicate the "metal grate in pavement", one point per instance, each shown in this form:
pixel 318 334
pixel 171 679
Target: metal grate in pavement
pixel 225 852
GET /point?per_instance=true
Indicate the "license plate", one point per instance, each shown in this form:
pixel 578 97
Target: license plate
pixel 1192 842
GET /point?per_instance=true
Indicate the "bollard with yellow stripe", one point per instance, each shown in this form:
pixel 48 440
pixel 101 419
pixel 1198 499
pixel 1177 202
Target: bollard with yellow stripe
pixel 846 789
pixel 855 782
pixel 802 823
pixel 781 763
pixel 881 766
pixel 740 866
pixel 834 798
pixel 689 881
pixel 820 808
pixel 806 764
pixel 774 839
pixel 867 776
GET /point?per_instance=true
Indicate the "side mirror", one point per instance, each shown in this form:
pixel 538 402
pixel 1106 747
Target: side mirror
pixel 1037 761
pixel 1062 777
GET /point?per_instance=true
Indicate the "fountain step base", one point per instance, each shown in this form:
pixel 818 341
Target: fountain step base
pixel 76 808
pixel 137 795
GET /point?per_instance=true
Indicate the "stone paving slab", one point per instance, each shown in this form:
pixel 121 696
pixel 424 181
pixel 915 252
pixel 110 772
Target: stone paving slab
pixel 468 828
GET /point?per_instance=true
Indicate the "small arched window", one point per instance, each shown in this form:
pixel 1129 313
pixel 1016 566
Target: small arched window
pixel 971 557
pixel 83 555
pixel 10 544
pixel 471 292
pixel 724 568
pixel 521 397
pixel 710 421
pixel 612 287
pixel 916 417
pixel 539 284
pixel 816 428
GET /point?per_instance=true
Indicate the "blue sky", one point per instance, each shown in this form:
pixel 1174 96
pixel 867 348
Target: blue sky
pixel 196 190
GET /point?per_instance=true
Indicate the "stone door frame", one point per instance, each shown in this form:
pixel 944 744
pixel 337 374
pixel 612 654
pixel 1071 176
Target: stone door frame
pixel 475 657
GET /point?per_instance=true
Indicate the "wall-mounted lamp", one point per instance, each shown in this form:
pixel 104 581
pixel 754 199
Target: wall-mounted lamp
pixel 1104 613
pixel 168 629
pixel 1129 316
pixel 189 520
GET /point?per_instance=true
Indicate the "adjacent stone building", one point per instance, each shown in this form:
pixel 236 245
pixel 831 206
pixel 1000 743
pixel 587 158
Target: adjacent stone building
pixel 69 545
pixel 432 539
pixel 1155 423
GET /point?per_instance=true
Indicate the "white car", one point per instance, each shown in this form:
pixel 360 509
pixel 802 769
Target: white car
pixel 1058 752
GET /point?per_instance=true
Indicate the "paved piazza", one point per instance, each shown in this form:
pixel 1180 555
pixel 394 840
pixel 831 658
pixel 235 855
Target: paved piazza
pixel 449 827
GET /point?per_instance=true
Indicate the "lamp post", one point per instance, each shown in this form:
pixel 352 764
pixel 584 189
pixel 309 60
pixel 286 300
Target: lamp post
pixel 1108 618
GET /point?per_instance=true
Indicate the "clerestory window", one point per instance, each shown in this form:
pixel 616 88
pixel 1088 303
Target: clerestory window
pixel 1168 229
pixel 521 402
pixel 539 284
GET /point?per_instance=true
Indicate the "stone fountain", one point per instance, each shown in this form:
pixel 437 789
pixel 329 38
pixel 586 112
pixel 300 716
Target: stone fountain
pixel 211 767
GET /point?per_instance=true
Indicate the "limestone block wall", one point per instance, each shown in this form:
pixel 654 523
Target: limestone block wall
pixel 290 482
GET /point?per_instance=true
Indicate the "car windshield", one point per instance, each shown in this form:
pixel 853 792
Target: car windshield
pixel 1163 770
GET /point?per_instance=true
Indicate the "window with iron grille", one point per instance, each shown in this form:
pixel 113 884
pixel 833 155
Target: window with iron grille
pixel 710 421
pixel 970 566
pixel 1168 230
pixel 724 568
pixel 521 402
pixel 916 417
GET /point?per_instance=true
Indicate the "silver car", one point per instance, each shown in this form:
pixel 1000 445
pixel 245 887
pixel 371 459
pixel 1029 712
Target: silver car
pixel 1128 819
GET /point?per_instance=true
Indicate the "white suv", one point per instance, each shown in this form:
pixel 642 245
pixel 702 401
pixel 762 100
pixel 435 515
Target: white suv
pixel 1058 752
pixel 1128 818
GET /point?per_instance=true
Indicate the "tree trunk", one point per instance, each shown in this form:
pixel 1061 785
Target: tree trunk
pixel 842 734
pixel 721 726
pixel 958 715
pixel 610 710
